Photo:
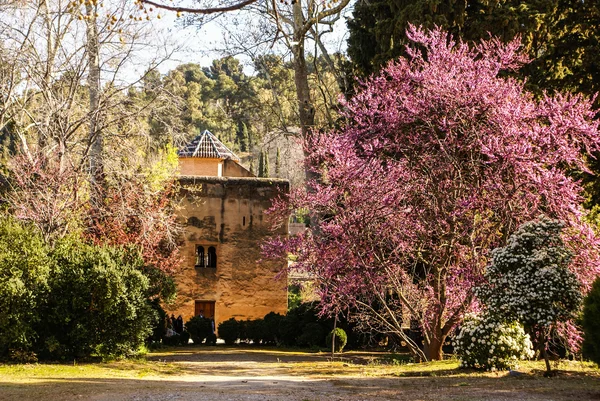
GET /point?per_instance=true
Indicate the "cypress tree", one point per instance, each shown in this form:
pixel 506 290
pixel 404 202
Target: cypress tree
pixel 247 137
pixel 266 163
pixel 242 137
pixel 277 164
pixel 261 165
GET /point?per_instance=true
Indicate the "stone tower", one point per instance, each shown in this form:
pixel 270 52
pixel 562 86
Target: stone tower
pixel 223 207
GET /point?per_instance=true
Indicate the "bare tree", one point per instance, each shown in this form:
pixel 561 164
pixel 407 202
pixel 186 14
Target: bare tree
pixel 50 48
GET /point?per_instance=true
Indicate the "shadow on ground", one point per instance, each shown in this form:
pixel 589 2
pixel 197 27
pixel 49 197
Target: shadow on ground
pixel 220 388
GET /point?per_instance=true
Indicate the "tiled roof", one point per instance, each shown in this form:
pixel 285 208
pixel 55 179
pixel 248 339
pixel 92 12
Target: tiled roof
pixel 208 146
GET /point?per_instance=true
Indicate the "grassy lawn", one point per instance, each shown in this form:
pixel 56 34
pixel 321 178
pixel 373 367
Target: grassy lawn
pixel 244 371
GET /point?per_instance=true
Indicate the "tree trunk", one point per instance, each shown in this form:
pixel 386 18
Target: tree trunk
pixel 545 344
pixel 432 347
pixel 95 135
pixel 306 108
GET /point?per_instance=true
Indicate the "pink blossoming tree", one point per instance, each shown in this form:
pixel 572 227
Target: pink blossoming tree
pixel 440 160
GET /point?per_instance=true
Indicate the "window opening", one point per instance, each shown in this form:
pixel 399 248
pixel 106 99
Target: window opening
pixel 244 220
pixel 200 256
pixel 212 257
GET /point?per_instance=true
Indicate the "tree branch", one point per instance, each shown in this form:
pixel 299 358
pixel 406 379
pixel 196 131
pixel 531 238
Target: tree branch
pixel 204 11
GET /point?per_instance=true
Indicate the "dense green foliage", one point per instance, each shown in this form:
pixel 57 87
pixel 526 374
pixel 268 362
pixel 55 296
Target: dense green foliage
pixel 559 36
pixel 72 300
pixel 229 331
pixel 591 323
pixel 97 302
pixel 200 329
pixel 341 339
pixel 237 107
pixel 24 271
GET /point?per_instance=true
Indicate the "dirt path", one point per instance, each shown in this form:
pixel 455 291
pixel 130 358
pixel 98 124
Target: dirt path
pixel 220 374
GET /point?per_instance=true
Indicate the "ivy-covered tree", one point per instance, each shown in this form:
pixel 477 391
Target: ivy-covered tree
pixel 441 159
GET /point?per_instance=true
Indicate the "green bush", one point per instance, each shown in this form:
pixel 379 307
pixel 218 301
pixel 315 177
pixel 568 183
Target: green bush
pixel 591 323
pixel 289 329
pixel 483 343
pixel 271 324
pixel 255 330
pixel 200 329
pixel 211 339
pixel 184 338
pixel 229 331
pixel 340 339
pixel 159 329
pixel 24 271
pixel 313 335
pixel 97 302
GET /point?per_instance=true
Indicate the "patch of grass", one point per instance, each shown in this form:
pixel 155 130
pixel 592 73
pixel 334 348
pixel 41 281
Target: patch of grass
pixel 116 369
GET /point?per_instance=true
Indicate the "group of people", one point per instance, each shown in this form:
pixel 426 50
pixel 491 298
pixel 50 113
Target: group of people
pixel 174 325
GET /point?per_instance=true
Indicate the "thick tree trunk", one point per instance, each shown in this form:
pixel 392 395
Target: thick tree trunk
pixel 95 135
pixel 433 347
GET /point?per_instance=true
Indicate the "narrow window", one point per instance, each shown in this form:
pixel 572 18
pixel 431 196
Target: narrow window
pixel 244 221
pixel 200 256
pixel 212 257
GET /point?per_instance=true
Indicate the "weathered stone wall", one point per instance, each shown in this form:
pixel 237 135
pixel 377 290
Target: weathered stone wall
pixel 228 213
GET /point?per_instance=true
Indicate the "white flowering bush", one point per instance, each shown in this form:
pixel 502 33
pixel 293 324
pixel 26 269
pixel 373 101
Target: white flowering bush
pixel 529 279
pixel 483 343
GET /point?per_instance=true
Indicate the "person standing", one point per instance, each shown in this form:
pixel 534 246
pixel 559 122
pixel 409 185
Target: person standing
pixel 179 326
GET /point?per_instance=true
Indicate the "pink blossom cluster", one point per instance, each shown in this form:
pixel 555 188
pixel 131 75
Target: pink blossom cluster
pixel 439 161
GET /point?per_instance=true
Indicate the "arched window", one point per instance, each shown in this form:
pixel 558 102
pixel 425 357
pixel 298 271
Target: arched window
pixel 212 257
pixel 200 256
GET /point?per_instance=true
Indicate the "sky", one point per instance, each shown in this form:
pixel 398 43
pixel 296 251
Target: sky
pixel 202 45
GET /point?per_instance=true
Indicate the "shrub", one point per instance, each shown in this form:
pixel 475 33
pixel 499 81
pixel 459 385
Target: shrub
pixel 340 339
pixel 211 339
pixel 271 324
pixel 24 271
pixel 483 343
pixel 200 328
pixel 529 279
pixel 159 329
pixel 97 302
pixel 313 335
pixel 184 338
pixel 591 323
pixel 255 330
pixel 229 331
pixel 290 328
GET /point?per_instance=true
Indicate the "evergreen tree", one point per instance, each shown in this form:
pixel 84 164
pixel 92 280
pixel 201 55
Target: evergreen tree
pixel 243 138
pixel 261 165
pixel 252 167
pixel 266 163
pixel 559 36
pixel 277 164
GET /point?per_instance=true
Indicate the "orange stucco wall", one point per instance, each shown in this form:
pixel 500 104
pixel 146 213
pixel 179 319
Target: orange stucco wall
pixel 228 213
pixel 198 166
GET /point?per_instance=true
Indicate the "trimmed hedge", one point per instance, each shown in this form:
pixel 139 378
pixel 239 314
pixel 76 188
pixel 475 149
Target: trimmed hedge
pixel 340 339
pixel 229 331
pixel 200 329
